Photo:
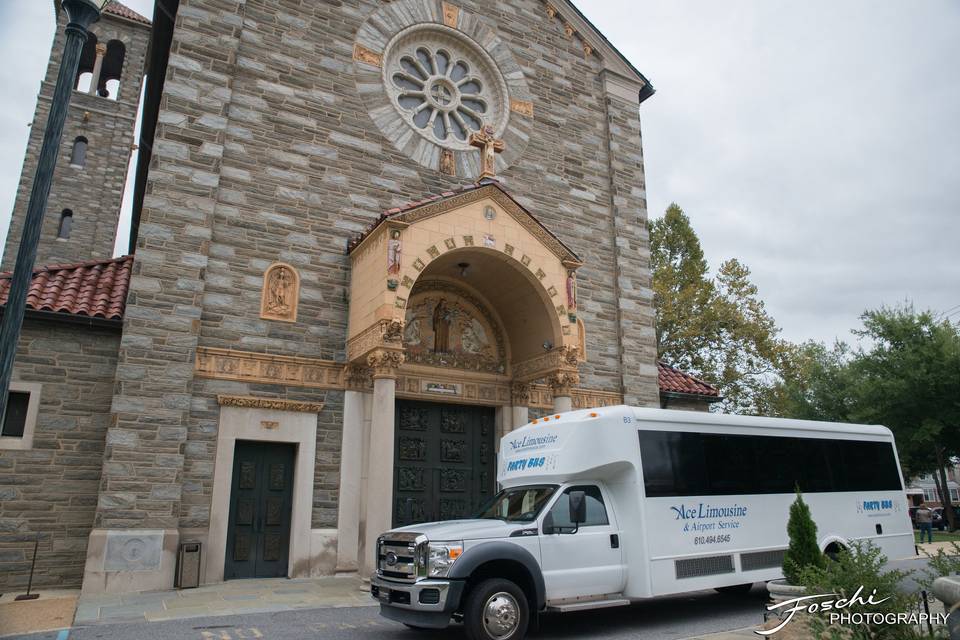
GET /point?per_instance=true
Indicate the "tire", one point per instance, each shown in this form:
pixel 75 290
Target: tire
pixel 737 589
pixel 496 609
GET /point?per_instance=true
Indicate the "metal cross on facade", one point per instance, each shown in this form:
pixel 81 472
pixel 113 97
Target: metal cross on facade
pixel 489 146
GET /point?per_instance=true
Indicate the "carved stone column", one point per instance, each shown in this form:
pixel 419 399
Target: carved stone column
pixel 358 382
pixel 101 50
pixel 384 365
pixel 562 383
pixel 520 401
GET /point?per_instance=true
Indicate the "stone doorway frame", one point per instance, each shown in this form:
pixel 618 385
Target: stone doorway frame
pixel 257 420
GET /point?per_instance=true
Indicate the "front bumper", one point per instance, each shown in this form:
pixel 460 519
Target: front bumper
pixel 427 603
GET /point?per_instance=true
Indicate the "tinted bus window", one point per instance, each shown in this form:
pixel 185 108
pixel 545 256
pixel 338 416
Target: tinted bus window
pixel 685 464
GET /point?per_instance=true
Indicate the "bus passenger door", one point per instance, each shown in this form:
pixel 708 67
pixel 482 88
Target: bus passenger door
pixel 588 562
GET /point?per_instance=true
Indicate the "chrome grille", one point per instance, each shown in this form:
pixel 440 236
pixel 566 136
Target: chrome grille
pixel 398 556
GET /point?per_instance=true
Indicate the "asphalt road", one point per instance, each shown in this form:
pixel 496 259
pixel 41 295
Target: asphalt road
pixel 666 618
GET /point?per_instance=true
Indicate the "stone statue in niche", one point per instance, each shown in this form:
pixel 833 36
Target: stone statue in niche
pixel 572 291
pixel 394 250
pixel 442 318
pixel 452 331
pixel 281 290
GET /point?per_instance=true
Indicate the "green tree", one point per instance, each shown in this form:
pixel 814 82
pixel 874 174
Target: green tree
pixel 683 292
pixel 904 374
pixel 715 328
pixel 803 551
pixel 908 377
pixel 817 383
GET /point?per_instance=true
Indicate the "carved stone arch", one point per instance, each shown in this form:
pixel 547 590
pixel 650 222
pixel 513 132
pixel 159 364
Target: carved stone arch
pixel 281 293
pixel 484 239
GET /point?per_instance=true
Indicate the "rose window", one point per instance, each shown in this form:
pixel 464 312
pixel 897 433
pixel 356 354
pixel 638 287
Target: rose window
pixel 443 85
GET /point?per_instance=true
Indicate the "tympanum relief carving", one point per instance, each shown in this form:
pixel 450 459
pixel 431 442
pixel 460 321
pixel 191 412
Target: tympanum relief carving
pixel 447 327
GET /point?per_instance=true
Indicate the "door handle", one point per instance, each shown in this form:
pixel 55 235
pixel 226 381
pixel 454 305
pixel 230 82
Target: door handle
pixel 614 541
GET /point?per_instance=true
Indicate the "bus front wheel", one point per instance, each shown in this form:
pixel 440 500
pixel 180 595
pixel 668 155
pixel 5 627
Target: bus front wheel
pixel 496 609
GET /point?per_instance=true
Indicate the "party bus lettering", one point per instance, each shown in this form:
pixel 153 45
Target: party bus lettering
pixel 702 511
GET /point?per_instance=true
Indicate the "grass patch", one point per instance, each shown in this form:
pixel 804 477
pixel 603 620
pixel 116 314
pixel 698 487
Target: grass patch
pixel 939 536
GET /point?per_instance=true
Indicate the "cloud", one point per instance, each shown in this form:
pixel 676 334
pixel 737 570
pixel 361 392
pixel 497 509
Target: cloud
pixel 815 141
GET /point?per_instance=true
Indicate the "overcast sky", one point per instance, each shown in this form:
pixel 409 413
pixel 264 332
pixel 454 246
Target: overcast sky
pixel 816 141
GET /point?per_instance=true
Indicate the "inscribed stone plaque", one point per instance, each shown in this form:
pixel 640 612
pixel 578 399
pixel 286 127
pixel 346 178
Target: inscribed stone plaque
pixel 133 551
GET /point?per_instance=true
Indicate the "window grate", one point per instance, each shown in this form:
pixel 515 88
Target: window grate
pixel 762 560
pixel 709 566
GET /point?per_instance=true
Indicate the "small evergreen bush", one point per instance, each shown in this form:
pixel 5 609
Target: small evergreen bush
pixel 803 551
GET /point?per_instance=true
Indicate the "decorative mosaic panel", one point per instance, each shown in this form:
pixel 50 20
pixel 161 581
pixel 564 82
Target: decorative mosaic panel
pixel 278 476
pixel 272 547
pixel 274 511
pixel 244 512
pixel 453 450
pixel 410 479
pixel 241 547
pixel 412 448
pixel 413 419
pixel 451 422
pixel 451 508
pixel 248 474
pixel 453 480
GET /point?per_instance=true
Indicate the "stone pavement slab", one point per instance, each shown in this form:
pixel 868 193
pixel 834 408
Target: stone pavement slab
pixel 54 609
pixel 229 598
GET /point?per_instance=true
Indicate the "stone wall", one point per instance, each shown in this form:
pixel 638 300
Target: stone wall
pixel 93 193
pixel 265 151
pixel 50 490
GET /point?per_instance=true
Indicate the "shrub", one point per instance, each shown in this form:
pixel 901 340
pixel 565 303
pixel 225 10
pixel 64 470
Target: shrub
pixel 803 550
pixel 861 566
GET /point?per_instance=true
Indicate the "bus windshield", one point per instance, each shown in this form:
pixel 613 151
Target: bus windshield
pixel 518 504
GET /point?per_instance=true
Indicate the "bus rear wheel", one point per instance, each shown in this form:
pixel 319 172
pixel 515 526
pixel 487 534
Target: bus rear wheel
pixel 833 550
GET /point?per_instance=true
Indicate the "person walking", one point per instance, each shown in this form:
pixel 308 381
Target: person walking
pixel 925 522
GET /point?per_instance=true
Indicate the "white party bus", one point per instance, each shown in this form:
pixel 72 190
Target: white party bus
pixel 606 506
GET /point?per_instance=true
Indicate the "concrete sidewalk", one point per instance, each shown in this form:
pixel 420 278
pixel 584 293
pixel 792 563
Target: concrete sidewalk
pixel 228 598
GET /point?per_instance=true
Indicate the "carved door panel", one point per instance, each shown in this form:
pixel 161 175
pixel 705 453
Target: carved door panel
pixel 444 462
pixel 261 497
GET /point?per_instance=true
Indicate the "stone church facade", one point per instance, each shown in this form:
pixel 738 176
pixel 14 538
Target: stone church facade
pixel 369 239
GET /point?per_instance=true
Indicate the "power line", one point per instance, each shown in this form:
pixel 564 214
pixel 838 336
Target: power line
pixel 945 313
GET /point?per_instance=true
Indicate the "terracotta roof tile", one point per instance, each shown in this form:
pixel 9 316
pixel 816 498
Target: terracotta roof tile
pixel 675 381
pixel 95 289
pixel 124 11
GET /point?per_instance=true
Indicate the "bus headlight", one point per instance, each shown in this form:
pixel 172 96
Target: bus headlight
pixel 441 556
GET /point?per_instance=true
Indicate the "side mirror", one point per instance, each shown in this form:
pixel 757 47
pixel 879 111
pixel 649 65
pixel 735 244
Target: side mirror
pixel 548 528
pixel 578 507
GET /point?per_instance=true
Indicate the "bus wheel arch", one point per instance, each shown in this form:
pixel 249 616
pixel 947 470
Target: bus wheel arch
pixel 510 570
pixel 833 545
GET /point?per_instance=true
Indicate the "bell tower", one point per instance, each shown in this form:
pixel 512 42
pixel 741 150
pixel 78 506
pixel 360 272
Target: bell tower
pixel 84 205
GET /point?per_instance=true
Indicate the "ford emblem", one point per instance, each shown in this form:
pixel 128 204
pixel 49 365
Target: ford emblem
pixel 391 559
